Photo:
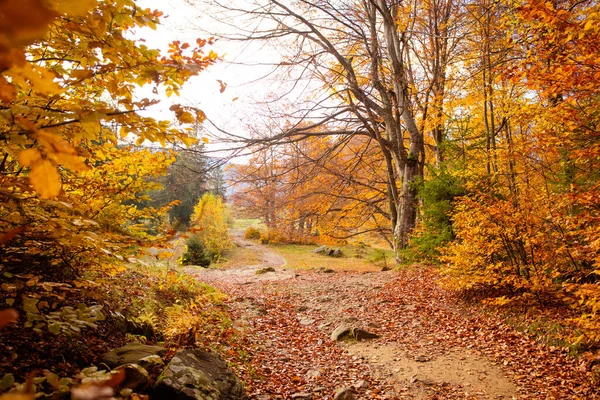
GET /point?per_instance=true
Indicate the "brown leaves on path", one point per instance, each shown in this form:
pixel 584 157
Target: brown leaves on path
pixel 287 323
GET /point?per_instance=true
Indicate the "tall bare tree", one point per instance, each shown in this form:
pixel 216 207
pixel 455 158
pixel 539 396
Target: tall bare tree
pixel 381 67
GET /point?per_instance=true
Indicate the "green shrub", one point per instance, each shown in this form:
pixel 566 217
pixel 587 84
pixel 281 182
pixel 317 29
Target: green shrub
pixel 437 195
pixel 252 233
pixel 196 253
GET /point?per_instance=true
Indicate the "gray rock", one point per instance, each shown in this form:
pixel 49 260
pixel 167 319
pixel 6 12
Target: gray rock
pixel 313 373
pixel 198 375
pixel 136 377
pixel 151 363
pixel 361 385
pixel 131 353
pixel 301 395
pixel 328 251
pixel 264 270
pixel 320 250
pixel 307 321
pixel 345 393
pixel 361 334
pixel 341 332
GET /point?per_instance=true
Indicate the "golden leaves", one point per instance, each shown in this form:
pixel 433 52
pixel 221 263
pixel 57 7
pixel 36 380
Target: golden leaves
pixel 61 151
pixel 72 7
pixel 29 156
pixel 45 178
pixel 22 22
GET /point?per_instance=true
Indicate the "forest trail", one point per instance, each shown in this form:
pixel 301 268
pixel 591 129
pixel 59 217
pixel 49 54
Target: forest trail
pixel 429 347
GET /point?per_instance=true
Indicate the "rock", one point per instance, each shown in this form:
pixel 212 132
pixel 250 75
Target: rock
pixel 422 358
pixel 313 373
pixel 320 250
pixel 328 251
pixel 131 353
pixel 341 332
pixel 136 377
pixel 301 395
pixel 361 334
pixel 264 270
pixel 345 393
pixel 198 375
pixel 151 363
pixel 323 326
pixel 326 270
pixel 319 389
pixel 361 385
pixel 385 268
pixel 307 321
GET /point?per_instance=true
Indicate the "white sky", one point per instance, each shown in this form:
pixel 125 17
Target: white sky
pixel 186 22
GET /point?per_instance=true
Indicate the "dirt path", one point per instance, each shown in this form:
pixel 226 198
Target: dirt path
pixel 428 348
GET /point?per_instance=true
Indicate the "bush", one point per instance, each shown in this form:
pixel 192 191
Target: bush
pixel 272 237
pixel 438 195
pixel 210 220
pixel 252 233
pixel 196 253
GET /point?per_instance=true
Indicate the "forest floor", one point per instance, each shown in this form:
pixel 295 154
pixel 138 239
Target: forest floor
pixel 431 346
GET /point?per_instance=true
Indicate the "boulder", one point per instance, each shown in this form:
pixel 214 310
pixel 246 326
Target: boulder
pixel 136 377
pixel 361 334
pixel 151 363
pixel 131 353
pixel 341 332
pixel 301 396
pixel 320 250
pixel 198 375
pixel 345 393
pixel 328 251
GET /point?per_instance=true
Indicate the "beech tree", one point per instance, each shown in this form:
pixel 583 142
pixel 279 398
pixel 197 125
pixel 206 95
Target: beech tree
pixel 316 188
pixel 381 67
pixel 69 73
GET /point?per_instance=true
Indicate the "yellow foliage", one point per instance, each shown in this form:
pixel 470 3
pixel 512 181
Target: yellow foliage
pixel 211 222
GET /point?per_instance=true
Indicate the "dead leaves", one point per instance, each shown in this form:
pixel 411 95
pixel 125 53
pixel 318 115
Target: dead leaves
pixel 8 316
pixel 411 313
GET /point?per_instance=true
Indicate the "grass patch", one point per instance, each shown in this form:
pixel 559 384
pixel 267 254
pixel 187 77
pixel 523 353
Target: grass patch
pixel 245 223
pixel 354 258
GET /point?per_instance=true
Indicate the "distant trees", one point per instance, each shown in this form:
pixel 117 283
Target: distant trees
pixel 382 68
pixel 477 122
pixel 187 179
pixel 311 189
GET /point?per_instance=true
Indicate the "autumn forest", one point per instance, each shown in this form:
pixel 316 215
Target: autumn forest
pixel 424 182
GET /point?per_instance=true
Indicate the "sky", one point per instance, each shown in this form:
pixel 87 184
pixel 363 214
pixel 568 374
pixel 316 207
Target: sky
pixel 241 68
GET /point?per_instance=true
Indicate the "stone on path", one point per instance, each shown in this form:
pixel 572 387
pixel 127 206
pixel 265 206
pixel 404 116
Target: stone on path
pixel 131 353
pixel 345 393
pixel 344 331
pixel 301 396
pixel 361 334
pixel 198 375
pixel 341 332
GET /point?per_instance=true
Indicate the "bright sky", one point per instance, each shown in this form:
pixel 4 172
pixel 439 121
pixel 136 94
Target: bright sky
pixel 186 22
